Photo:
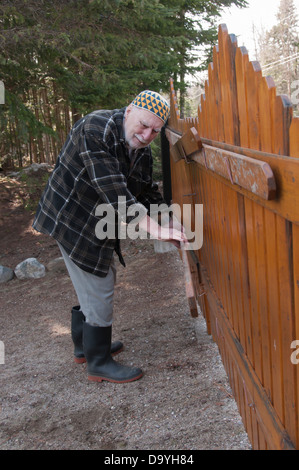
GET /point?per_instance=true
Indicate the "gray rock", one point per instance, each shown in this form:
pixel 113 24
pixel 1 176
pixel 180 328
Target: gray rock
pixel 6 274
pixel 33 168
pixel 57 265
pixel 30 268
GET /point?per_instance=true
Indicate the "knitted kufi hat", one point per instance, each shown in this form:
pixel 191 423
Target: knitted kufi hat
pixel 153 102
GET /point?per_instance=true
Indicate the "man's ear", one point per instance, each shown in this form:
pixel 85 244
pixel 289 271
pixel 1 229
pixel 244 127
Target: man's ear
pixel 128 109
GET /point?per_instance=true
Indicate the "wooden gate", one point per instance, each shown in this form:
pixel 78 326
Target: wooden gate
pixel 240 159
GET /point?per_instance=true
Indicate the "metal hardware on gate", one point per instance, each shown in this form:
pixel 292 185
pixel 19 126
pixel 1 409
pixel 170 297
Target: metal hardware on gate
pixel 187 160
pixel 191 194
pixel 182 151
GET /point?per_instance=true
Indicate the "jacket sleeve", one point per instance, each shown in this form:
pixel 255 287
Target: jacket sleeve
pixel 151 195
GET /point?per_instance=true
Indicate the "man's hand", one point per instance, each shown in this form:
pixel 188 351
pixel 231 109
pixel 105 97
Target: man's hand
pixel 171 235
pixel 165 233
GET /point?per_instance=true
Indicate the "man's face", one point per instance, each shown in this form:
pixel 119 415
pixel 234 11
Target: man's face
pixel 141 127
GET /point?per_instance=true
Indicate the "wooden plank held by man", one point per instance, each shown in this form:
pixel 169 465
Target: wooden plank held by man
pixel 190 293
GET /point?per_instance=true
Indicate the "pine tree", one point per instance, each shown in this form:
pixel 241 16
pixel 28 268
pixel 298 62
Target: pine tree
pixel 64 58
pixel 279 48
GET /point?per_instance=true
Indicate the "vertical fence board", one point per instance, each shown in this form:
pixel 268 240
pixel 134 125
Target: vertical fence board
pixel 219 132
pixel 287 325
pixel 266 99
pixel 296 326
pixel 294 152
pixel 241 66
pixel 266 96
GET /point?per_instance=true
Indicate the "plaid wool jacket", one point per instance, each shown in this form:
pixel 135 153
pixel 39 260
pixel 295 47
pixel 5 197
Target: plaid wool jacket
pixel 94 167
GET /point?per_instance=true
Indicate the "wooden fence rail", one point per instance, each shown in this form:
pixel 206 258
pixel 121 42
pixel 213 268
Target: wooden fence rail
pixel 240 159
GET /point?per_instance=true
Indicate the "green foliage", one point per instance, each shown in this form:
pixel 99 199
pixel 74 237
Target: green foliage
pixel 157 159
pixel 26 121
pixel 98 53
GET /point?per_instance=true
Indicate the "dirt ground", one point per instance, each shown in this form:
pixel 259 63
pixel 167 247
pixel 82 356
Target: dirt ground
pixel 183 401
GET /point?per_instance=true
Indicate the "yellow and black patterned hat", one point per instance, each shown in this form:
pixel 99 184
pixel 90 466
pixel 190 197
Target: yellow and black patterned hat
pixel 153 102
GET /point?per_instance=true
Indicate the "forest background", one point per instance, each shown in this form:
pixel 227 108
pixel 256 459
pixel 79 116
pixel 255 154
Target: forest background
pixel 62 59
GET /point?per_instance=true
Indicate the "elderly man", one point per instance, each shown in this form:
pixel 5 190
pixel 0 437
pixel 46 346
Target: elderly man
pixel 106 158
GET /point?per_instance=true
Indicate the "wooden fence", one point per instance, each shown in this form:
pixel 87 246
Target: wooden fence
pixel 240 159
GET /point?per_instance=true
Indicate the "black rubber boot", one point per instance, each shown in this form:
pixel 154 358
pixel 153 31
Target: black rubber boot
pixel 77 321
pixel 100 364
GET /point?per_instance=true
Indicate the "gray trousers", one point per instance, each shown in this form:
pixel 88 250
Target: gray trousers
pixel 95 294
